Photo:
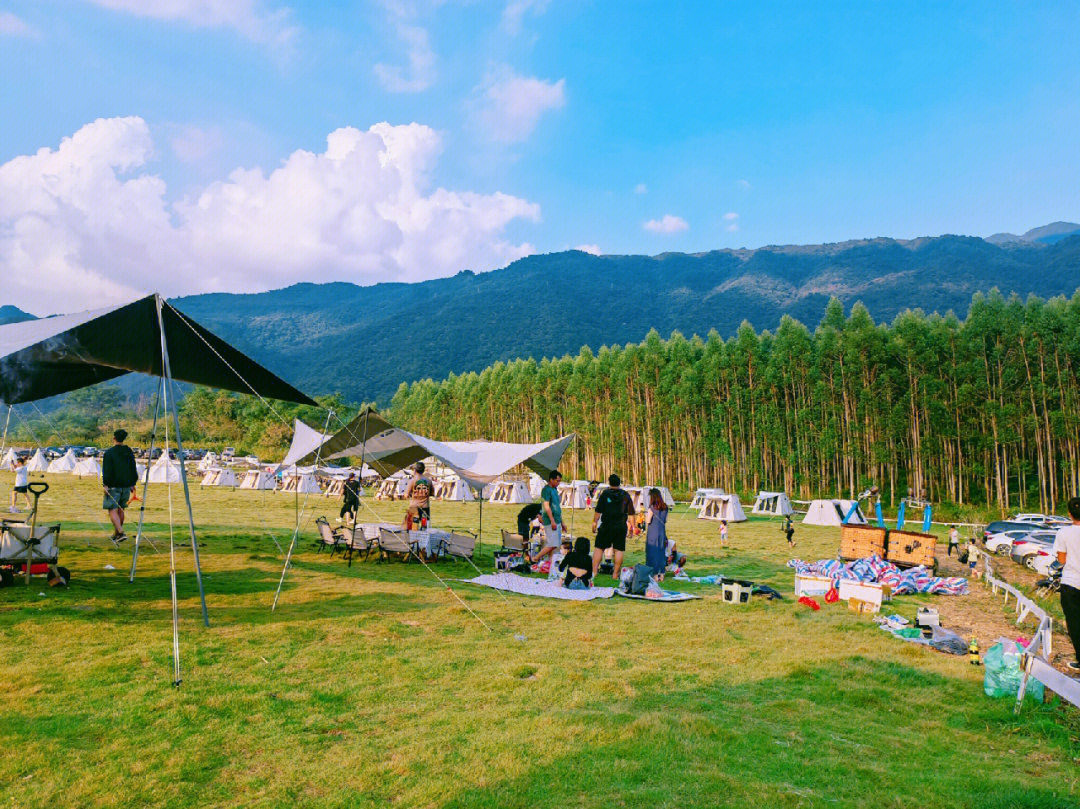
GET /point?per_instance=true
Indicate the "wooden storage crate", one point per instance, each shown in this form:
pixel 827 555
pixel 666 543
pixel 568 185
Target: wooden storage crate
pixel 911 548
pixel 860 541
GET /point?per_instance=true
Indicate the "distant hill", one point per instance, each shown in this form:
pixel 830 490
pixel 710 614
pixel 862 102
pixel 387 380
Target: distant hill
pixel 1047 234
pixel 13 314
pixel 364 341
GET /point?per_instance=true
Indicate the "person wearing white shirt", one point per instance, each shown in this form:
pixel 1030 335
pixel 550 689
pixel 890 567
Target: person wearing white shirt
pixel 22 484
pixel 1067 548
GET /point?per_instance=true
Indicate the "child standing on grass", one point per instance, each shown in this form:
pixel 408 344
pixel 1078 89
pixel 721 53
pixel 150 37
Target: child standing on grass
pixel 789 531
pixel 723 533
pixel 22 484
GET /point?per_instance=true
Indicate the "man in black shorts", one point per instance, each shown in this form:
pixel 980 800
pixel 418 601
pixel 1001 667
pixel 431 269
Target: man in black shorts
pixel 118 477
pixel 613 507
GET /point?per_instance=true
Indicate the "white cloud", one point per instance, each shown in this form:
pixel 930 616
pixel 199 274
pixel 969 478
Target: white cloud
pixel 250 18
pixel 506 107
pixel 732 219
pixel 592 249
pixel 515 11
pixel 85 224
pixel 641 188
pixel 193 144
pixel 744 184
pixel 421 71
pixel 666 224
pixel 10 25
pixel 731 216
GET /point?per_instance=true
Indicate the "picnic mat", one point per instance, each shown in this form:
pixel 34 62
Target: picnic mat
pixel 668 595
pixel 522 585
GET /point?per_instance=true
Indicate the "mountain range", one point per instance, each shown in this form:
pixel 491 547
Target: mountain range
pixel 364 341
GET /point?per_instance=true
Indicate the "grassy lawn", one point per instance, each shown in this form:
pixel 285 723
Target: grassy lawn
pixel 372 686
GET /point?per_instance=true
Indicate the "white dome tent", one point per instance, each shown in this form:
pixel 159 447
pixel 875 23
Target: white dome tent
pixel 776 504
pixel 510 491
pixel 224 478
pixel 38 463
pixel 722 507
pixel 87 468
pixel 832 512
pixel 65 464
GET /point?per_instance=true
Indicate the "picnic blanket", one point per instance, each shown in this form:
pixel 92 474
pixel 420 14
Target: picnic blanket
pixel 668 595
pixel 876 569
pixel 522 585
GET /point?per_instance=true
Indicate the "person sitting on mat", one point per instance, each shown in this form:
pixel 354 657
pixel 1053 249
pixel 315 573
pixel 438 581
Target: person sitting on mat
pixel 577 566
pixel 119 477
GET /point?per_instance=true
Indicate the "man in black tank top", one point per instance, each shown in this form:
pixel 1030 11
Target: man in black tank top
pixel 613 507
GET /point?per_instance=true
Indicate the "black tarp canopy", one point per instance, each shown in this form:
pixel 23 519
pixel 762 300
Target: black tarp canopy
pixel 40 358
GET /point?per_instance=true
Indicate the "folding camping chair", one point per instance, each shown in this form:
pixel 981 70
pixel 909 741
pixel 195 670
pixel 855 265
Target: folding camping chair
pixel 460 545
pixel 395 542
pixel 359 542
pixel 512 542
pixel 328 537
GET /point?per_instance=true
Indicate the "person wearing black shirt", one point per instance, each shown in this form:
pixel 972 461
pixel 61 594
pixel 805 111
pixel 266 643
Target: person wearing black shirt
pixel 577 566
pixel 613 506
pixel 350 498
pixel 118 477
pixel 525 517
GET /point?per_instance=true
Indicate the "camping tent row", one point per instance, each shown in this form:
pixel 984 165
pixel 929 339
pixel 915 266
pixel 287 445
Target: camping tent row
pixel 65 464
pixel 722 507
pixel 776 504
pixel 224 478
pixel 639 495
pixel 833 512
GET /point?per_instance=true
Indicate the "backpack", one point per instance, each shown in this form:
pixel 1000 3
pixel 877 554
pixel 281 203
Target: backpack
pixel 640 581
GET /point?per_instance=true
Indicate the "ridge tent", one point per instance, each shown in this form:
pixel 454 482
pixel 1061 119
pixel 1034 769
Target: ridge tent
pixel 87 468
pixel 536 485
pixel 832 512
pixel 510 491
pixel 722 507
pixel 574 495
pixel 641 500
pixel 140 468
pixel 701 494
pixel 65 464
pixel 258 480
pixel 165 470
pixel 38 463
pixel 454 490
pixel 301 483
pixel 219 477
pixel 393 488
pixel 775 503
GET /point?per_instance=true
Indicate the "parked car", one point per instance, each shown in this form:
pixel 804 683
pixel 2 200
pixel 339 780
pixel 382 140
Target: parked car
pixel 1001 543
pixel 1001 526
pixel 1034 519
pixel 1037 543
pixel 1057 522
pixel 1043 564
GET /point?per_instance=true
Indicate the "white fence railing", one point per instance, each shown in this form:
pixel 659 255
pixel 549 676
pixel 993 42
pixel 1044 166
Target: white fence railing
pixel 1025 608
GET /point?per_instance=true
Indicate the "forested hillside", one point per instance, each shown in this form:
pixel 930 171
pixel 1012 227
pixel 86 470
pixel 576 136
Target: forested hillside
pixel 985 410
pixel 364 341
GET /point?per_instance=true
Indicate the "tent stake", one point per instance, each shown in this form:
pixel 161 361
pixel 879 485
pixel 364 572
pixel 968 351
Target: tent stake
pixel 180 456
pixel 146 482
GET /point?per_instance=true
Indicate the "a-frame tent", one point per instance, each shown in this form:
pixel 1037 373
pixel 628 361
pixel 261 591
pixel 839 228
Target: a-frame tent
pixel 701 494
pixel 50 356
pixel 722 507
pixel 63 465
pixel 574 495
pixel 833 512
pixel 220 477
pixel 510 491
pixel 454 489
pixel 776 504
pixel 37 463
pixel 87 468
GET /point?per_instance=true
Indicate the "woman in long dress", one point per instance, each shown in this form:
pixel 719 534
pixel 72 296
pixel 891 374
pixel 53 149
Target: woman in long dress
pixel 656 534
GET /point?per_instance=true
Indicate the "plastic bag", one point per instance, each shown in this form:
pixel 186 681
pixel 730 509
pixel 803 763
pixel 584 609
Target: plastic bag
pixel 1003 672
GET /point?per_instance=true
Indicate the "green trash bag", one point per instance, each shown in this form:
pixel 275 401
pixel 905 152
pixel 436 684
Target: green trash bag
pixel 1003 672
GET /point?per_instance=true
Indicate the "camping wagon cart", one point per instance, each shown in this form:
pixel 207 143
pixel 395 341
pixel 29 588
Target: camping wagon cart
pixel 28 549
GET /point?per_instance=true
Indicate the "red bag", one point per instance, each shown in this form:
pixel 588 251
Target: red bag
pixel 809 602
pixel 832 596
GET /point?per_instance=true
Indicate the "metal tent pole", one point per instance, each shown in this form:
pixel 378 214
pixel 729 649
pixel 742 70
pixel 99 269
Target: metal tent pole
pixel 480 532
pixel 180 456
pixel 7 421
pixel 146 481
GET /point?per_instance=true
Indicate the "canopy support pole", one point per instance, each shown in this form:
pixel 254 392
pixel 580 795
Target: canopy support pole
pixel 480 532
pixel 296 528
pixel 7 421
pixel 146 482
pixel 180 456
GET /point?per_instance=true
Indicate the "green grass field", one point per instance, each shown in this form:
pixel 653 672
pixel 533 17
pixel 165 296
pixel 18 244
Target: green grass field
pixel 373 686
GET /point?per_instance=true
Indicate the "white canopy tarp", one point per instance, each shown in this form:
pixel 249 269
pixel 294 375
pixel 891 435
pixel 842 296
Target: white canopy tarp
pixel 165 470
pixel 38 463
pixel 387 448
pixel 722 507
pixel 65 464
pixel 832 512
pixel 775 503
pixel 87 468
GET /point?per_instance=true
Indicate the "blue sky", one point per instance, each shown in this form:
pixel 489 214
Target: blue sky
pixel 630 126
